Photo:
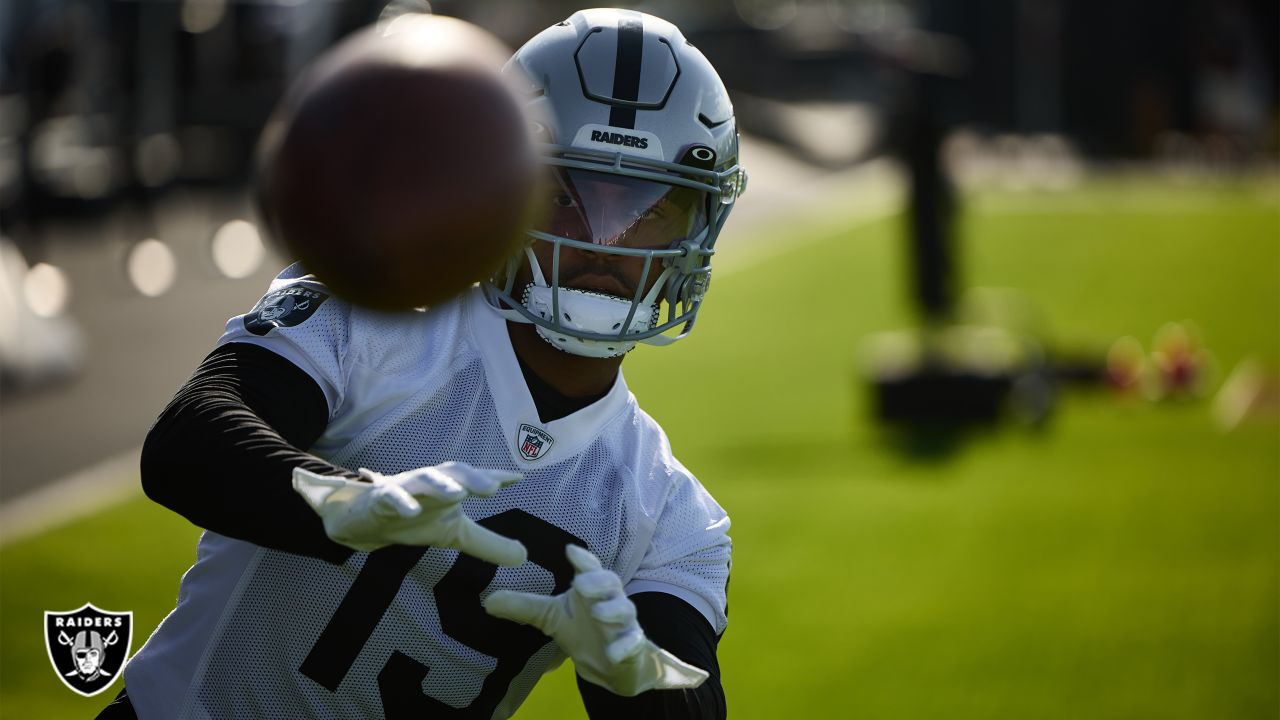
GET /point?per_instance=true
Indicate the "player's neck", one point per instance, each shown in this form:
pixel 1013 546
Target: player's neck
pixel 570 375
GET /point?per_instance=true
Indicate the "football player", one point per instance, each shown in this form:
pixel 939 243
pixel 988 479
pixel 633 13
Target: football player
pixel 419 514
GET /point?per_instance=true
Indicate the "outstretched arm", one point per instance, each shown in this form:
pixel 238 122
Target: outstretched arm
pixel 675 626
pixel 598 626
pixel 226 455
pixel 222 453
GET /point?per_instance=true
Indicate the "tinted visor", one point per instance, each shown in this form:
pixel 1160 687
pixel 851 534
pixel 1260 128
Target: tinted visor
pixel 607 209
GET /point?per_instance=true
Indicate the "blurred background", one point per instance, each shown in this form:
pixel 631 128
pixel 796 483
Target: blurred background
pixel 1007 273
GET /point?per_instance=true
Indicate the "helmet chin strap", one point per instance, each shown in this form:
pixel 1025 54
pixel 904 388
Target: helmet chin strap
pixel 591 312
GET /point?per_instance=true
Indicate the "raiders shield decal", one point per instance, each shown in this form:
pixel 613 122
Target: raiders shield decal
pixel 533 442
pixel 88 646
pixel 285 307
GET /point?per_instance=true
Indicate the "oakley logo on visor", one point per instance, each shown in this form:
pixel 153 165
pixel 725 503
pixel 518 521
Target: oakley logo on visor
pixel 631 142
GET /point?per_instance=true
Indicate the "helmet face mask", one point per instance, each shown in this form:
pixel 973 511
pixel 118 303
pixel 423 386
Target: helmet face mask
pixel 642 172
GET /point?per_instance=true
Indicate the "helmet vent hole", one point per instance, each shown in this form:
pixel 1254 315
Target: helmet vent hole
pixel 708 121
pixel 567 318
pixel 617 325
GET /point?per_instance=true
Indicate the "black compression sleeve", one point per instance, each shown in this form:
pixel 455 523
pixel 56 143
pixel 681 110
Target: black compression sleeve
pixel 222 453
pixel 675 626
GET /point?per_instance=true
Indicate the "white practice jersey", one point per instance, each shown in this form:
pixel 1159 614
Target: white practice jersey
pixel 400 632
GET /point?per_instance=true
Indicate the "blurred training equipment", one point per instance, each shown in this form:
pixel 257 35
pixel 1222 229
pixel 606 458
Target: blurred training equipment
pixel 974 360
pixel 399 169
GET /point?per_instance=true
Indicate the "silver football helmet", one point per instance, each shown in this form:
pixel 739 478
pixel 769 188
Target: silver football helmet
pixel 639 134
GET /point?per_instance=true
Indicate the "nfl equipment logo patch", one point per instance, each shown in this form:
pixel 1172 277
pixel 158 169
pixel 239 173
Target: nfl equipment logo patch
pixel 88 646
pixel 533 442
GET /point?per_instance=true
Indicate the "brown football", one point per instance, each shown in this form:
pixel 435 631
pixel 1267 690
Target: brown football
pixel 399 169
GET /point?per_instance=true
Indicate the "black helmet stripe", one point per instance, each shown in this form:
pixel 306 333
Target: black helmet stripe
pixel 626 69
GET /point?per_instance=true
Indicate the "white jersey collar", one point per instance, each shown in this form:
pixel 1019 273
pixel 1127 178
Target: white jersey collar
pixel 525 432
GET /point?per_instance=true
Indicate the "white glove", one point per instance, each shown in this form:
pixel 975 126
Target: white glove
pixel 416 507
pixel 595 624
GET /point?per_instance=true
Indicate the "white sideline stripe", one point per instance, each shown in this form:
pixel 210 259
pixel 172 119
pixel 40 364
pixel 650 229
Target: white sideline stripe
pixel 95 488
pixel 753 257
pixel 868 193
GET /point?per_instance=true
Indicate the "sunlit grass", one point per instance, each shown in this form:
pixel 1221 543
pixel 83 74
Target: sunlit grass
pixel 1120 563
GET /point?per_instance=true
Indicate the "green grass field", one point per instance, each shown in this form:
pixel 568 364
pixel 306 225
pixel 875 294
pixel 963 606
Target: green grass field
pixel 1122 563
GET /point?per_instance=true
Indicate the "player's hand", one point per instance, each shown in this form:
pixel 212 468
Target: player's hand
pixel 595 624
pixel 416 507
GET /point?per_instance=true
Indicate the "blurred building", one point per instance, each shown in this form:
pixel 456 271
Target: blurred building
pixel 103 98
pixel 108 101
